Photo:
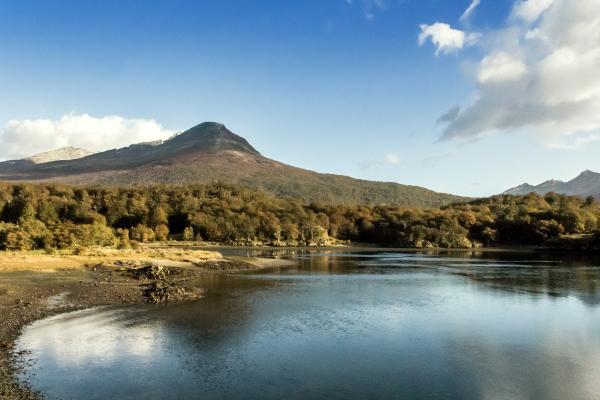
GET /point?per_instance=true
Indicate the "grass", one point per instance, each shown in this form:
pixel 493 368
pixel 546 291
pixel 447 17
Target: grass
pixel 39 260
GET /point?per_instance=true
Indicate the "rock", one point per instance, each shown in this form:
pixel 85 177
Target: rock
pixel 152 272
pixel 159 293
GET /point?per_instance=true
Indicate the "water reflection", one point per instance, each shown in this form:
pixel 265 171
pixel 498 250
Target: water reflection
pixel 366 325
pixel 96 330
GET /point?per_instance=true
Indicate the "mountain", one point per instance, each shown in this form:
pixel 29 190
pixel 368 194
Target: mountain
pixel 585 184
pixel 209 152
pixel 65 153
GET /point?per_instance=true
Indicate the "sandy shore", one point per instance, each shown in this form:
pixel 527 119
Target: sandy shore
pixel 37 285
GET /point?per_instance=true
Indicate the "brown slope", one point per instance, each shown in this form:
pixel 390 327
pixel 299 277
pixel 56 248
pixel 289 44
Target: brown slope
pixel 208 153
pixel 234 167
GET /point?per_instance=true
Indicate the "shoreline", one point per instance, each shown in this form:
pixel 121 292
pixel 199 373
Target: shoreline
pixel 36 286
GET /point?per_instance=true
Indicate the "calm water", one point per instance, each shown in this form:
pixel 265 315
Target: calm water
pixel 343 326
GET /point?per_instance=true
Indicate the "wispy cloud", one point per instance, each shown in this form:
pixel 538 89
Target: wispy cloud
pixel 467 14
pixel 388 159
pixel 370 7
pixel 449 115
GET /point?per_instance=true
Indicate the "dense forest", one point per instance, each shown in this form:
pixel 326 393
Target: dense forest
pixel 55 216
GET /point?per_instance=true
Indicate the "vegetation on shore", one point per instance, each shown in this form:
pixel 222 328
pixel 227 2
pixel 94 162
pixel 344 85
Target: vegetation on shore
pixel 42 261
pixel 55 216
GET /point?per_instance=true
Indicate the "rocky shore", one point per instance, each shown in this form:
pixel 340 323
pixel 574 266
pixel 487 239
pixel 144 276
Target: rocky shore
pixel 35 286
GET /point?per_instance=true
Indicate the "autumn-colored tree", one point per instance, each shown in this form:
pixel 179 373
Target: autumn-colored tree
pixel 123 239
pixel 188 234
pixel 161 232
pixel 142 233
pixel 61 216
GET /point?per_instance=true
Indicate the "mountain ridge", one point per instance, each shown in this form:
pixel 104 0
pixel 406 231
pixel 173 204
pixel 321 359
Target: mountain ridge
pixel 209 152
pixel 587 183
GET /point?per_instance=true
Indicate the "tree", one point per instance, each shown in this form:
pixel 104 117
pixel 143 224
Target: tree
pixel 18 240
pixel 49 216
pixel 95 234
pixel 64 236
pixel 14 238
pixel 161 232
pixel 590 200
pixel 123 239
pixel 158 217
pixel 489 235
pixel 141 233
pixel 188 234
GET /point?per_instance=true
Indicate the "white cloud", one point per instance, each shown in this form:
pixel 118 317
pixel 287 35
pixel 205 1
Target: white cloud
pixel 500 67
pixel 540 73
pixel 445 38
pixel 28 137
pixel 467 14
pixel 531 10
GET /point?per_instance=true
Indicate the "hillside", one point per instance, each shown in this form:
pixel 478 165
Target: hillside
pixel 585 184
pixel 207 153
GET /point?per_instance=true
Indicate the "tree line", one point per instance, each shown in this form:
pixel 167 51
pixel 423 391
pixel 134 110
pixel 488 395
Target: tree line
pixel 56 216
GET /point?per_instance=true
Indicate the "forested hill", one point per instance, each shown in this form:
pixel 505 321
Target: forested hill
pixel 64 217
pixel 209 153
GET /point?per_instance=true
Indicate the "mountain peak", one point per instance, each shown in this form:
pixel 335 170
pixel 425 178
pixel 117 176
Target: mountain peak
pixel 214 137
pixel 587 173
pixel 550 182
pixel 64 153
pixel 586 183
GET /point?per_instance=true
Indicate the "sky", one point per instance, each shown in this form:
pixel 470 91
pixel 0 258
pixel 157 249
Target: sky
pixel 469 97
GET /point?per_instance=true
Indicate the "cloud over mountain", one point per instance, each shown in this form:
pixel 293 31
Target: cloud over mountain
pixel 22 138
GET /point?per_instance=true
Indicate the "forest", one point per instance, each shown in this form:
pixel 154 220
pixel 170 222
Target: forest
pixel 56 216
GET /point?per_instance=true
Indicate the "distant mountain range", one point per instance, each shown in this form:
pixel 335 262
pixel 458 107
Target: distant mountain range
pixel 209 152
pixel 584 185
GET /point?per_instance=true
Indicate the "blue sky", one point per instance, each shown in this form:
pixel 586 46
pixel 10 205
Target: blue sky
pixel 330 85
